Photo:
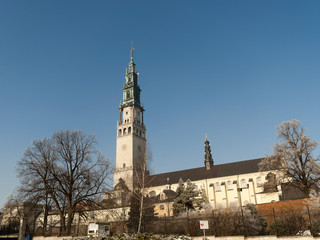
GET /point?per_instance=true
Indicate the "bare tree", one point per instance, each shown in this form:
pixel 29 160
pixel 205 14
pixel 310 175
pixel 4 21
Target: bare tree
pixel 68 169
pixel 35 178
pixel 293 157
pixel 141 207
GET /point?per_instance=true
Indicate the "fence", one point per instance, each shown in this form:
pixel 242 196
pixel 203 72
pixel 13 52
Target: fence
pixel 226 222
pixel 9 229
pixel 247 222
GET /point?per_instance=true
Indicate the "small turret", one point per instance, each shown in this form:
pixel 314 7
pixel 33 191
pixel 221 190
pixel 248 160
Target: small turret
pixel 208 161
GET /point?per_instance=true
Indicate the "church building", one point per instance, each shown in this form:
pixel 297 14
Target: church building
pixel 224 185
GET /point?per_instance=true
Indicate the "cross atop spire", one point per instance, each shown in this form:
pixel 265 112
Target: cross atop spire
pixel 131 52
pixel 131 63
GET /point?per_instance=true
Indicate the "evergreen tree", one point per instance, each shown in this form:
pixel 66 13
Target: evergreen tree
pixel 178 205
pixel 187 198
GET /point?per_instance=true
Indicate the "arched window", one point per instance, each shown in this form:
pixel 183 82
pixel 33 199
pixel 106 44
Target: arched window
pixel 229 185
pixel 259 181
pixel 243 183
pixel 124 165
pixel 119 133
pixel 162 196
pixel 218 187
pixel 124 131
pixel 152 193
pixel 129 130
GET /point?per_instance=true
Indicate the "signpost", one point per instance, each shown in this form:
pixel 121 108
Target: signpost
pixel 204 225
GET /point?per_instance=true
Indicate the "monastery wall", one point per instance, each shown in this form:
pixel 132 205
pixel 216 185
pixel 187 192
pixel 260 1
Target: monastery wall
pixel 223 192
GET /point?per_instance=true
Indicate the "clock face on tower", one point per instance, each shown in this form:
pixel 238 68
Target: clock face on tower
pixel 124 147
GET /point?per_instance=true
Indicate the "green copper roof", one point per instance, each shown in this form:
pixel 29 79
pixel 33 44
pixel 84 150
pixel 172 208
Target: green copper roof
pixel 131 89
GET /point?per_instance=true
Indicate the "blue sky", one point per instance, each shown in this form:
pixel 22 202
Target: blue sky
pixel 230 69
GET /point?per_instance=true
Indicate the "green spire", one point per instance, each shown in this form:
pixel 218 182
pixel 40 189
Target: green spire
pixel 131 89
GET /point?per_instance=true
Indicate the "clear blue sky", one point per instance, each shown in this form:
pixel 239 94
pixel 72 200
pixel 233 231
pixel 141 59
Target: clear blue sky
pixel 231 69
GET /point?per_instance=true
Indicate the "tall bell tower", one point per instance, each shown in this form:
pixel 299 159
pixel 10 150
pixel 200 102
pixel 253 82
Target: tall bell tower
pixel 131 131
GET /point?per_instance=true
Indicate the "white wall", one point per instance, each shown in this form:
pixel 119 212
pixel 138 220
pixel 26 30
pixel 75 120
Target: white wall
pixel 227 197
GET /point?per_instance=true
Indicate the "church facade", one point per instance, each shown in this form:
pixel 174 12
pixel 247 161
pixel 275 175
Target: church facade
pixel 224 185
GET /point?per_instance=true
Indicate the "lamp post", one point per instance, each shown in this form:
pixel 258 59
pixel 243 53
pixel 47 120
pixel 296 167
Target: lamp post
pixel 239 190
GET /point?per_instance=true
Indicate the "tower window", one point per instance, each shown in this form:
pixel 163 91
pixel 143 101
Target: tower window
pixel 129 130
pixel 119 134
pixel 124 131
pixel 124 165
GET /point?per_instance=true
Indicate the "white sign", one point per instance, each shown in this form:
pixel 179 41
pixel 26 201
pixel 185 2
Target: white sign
pixel 204 225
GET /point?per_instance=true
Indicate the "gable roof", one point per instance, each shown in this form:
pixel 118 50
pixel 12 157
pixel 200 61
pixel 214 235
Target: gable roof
pixel 194 174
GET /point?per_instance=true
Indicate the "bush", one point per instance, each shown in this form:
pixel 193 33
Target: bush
pixel 290 224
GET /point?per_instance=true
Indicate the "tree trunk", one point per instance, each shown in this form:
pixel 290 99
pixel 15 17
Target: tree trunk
pixel 45 216
pixel 45 220
pixel 69 221
pixel 306 191
pixel 62 222
pixel 141 211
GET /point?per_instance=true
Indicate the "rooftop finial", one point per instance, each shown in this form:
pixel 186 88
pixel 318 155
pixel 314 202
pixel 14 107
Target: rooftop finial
pixel 131 52
pixel 208 161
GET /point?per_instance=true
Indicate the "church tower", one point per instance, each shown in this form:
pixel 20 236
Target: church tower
pixel 208 161
pixel 131 131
